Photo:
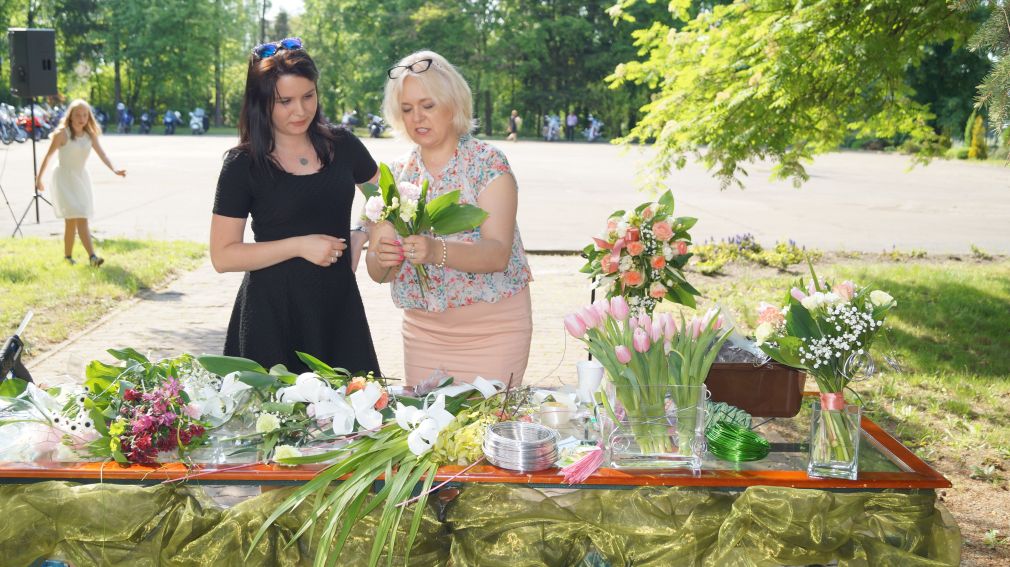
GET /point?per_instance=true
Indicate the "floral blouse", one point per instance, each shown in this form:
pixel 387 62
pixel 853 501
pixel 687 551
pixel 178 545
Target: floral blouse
pixel 473 167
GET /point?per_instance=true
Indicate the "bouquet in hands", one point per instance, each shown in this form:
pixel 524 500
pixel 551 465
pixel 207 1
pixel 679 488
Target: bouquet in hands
pixel 641 255
pixel 407 207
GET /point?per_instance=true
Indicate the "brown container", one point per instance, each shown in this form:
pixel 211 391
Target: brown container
pixel 762 391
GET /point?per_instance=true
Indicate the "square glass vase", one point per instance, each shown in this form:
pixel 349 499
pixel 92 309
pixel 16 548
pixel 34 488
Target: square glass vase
pixel 659 427
pixel 834 442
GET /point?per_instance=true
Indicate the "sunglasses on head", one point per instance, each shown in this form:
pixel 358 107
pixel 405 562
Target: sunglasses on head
pixel 419 66
pixel 270 49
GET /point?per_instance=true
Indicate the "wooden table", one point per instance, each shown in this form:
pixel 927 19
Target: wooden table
pixel 884 464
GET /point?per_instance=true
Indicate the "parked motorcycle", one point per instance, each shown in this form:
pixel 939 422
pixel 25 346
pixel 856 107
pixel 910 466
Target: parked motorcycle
pixel 376 126
pixel 9 130
pixel 37 126
pixel 101 117
pixel 593 132
pixel 125 123
pixel 196 122
pixel 170 120
pixel 146 122
pixel 552 128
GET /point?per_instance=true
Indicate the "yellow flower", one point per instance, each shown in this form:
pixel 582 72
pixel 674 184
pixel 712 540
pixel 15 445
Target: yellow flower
pixel 118 427
pixel 114 444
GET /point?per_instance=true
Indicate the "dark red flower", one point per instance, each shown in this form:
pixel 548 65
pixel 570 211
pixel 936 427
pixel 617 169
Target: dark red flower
pixel 131 395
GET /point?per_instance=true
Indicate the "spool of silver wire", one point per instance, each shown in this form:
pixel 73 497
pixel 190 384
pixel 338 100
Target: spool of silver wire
pixel 521 446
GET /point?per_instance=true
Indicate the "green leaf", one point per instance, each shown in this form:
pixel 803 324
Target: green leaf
pixel 222 365
pixel 438 205
pixel 128 354
pixel 12 388
pixel 370 190
pixel 666 200
pixel 258 380
pixel 458 218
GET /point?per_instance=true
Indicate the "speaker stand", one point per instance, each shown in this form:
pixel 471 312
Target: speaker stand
pixel 35 175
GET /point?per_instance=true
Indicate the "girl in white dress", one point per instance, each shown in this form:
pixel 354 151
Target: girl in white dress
pixel 74 138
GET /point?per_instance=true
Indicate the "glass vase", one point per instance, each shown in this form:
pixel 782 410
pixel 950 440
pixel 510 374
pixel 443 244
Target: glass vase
pixel 834 442
pixel 656 427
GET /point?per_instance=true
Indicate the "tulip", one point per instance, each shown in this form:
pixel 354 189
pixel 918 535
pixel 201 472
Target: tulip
pixel 696 327
pixel 619 308
pixel 590 317
pixel 669 326
pixel 640 340
pixel 602 307
pixel 623 354
pixel 797 294
pixel 656 331
pixel 575 325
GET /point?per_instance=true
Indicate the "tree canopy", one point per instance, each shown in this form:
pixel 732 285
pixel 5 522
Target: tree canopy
pixel 783 80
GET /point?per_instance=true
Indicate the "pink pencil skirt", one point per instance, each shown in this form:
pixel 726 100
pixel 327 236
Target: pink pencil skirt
pixel 484 339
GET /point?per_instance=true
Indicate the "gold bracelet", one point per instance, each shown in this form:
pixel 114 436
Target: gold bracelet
pixel 445 251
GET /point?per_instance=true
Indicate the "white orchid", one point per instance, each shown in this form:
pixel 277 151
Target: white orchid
pixel 217 405
pixel 309 388
pixel 339 411
pixel 424 425
pixel 363 402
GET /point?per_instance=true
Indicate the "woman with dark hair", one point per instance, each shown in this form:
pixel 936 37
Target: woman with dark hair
pixel 295 175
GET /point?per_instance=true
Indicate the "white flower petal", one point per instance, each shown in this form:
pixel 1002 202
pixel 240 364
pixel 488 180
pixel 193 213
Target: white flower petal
pixel 417 444
pixel 369 418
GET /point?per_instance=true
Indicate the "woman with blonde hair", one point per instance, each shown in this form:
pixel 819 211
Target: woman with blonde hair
pixel 72 200
pixel 475 317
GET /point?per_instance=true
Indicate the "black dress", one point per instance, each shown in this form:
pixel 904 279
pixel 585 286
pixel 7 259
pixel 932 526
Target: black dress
pixel 296 305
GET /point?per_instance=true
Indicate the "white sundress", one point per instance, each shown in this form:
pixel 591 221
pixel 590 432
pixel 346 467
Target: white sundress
pixel 71 184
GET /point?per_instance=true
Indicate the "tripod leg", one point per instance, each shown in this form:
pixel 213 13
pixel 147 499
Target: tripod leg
pixel 17 227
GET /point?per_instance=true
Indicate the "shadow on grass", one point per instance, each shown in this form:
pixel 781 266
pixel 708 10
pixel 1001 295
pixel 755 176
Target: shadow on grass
pixel 964 328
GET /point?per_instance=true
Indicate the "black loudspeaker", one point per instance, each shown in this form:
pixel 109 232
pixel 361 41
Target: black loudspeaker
pixel 32 62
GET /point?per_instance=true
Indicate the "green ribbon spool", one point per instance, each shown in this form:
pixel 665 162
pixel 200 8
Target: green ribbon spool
pixel 732 442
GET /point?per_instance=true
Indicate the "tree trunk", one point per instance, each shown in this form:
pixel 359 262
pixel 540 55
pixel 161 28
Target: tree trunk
pixel 117 83
pixel 487 112
pixel 218 86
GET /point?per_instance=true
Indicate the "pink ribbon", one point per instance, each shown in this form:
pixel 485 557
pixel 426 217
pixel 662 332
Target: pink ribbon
pixel 833 401
pixel 615 252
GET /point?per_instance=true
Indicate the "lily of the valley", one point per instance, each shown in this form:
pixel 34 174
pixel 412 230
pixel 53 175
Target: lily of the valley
pixel 424 425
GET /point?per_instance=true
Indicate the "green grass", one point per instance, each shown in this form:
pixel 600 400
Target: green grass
pixel 65 298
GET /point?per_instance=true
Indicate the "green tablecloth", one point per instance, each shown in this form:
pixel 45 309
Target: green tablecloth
pixel 491 525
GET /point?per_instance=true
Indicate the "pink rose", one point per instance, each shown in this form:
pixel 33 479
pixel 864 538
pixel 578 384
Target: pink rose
pixel 768 313
pixel 662 231
pixel 623 354
pixel 635 248
pixel 632 278
pixel 657 290
pixel 607 265
pixel 648 213
pixel 846 290
pixel 681 247
pixel 657 262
